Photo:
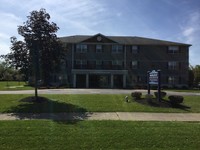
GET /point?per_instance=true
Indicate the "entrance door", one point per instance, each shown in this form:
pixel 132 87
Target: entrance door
pixel 81 81
pixel 118 81
pixel 99 81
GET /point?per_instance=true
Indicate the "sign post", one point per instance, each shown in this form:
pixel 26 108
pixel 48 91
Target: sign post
pixel 159 86
pixel 148 85
pixel 154 78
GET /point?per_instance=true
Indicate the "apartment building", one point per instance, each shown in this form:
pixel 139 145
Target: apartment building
pixel 100 61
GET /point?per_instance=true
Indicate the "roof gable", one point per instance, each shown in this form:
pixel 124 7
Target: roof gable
pixel 99 38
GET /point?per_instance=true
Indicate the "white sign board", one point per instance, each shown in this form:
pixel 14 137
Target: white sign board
pixel 153 77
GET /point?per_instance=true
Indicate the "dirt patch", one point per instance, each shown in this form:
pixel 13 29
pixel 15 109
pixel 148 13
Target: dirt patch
pixel 32 99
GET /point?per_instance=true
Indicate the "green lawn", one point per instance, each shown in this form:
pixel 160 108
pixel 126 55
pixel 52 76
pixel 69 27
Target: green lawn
pixel 14 85
pixel 39 135
pixel 89 103
pixel 189 90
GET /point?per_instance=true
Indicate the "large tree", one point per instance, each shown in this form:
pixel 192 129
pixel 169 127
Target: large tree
pixel 19 57
pixel 40 47
pixel 41 41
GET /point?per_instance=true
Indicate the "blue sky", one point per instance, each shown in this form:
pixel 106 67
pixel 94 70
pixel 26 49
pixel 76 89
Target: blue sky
pixel 172 20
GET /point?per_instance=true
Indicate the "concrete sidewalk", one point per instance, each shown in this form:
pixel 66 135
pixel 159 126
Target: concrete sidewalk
pixel 124 116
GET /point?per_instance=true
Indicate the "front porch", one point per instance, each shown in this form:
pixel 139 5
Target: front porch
pixel 99 78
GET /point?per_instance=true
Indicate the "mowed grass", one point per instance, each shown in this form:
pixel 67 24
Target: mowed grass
pixel 88 103
pixel 38 134
pixel 14 85
pixel 188 90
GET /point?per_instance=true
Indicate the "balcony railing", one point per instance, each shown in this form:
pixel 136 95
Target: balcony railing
pixel 100 67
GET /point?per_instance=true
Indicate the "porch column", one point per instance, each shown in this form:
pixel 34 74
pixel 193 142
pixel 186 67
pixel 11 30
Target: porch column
pixel 124 81
pixel 87 80
pixel 111 81
pixel 74 81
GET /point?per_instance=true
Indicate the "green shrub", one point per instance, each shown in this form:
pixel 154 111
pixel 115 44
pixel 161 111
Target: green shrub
pixel 176 99
pixel 136 95
pixel 162 94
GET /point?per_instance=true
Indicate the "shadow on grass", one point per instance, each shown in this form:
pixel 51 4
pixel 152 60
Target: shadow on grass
pixel 45 108
pixel 162 104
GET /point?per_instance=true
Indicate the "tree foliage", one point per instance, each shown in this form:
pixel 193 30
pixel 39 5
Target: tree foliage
pixel 39 37
pixel 9 73
pixel 194 75
pixel 196 71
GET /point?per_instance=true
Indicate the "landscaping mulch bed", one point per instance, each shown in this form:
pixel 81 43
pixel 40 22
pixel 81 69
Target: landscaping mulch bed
pixel 162 103
pixel 155 103
pixel 33 99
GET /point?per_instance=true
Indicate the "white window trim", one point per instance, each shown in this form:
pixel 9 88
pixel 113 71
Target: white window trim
pixel 171 80
pixel 117 62
pixel 117 48
pixel 81 48
pixel 99 48
pixel 173 49
pixel 172 65
pixel 134 64
pixel 134 49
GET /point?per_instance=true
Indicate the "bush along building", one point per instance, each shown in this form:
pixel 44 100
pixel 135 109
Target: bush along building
pixel 101 61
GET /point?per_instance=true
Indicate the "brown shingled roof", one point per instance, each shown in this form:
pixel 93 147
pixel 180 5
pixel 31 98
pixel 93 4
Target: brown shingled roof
pixel 128 40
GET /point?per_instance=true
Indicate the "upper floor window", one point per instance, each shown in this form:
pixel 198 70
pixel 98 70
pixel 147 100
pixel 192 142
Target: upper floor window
pixel 81 48
pixel 134 64
pixel 117 48
pixel 117 62
pixel 98 48
pixel 173 49
pixel 81 62
pixel 135 49
pixel 98 62
pixel 172 65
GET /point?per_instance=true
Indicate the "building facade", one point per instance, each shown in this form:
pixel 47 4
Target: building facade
pixel 101 61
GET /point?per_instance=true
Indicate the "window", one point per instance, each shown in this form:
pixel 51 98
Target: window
pixel 173 49
pixel 172 65
pixel 139 79
pixel 107 64
pixel 81 62
pixel 135 49
pixel 98 62
pixel 117 48
pixel 134 64
pixel 171 80
pixel 117 62
pixel 98 48
pixel 81 48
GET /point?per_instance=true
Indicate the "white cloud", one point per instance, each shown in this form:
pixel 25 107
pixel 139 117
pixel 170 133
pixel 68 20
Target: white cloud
pixel 79 17
pixel 188 31
pixel 191 32
pixel 191 27
pixel 8 28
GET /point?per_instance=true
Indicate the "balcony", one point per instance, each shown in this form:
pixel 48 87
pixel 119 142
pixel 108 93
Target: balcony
pixel 100 67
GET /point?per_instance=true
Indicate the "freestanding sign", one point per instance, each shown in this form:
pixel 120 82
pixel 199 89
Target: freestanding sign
pixel 153 78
